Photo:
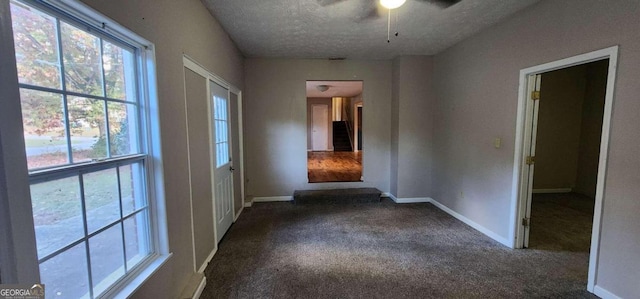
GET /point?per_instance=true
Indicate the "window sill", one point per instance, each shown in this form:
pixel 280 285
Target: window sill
pixel 136 282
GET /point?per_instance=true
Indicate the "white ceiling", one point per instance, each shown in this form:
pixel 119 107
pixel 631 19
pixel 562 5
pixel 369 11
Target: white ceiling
pixel 307 29
pixel 336 89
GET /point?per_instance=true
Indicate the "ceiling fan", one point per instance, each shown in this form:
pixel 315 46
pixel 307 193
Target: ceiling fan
pixel 370 9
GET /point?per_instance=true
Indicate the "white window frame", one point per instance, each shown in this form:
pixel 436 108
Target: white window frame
pixel 18 260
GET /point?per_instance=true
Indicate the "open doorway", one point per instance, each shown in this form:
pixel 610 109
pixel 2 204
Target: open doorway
pixel 334 131
pixel 562 142
pixel 567 149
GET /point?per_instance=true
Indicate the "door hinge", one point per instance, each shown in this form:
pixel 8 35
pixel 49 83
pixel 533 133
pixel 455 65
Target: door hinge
pixel 526 222
pixel 530 160
pixel 535 95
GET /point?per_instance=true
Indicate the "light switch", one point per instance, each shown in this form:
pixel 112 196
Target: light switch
pixel 497 142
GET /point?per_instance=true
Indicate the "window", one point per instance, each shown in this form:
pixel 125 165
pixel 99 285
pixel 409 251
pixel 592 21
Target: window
pixel 221 120
pixel 83 93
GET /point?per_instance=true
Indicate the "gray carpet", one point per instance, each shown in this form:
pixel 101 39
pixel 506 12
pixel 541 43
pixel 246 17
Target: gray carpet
pixel 561 222
pixel 380 250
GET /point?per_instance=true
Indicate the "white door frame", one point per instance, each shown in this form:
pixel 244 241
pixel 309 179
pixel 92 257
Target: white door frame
pixel 520 187
pixel 355 124
pixel 193 65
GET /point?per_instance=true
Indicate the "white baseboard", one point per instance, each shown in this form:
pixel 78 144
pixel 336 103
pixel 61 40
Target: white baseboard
pixel 209 258
pixel 388 195
pixel 473 224
pixel 406 199
pixel 248 204
pixel 272 199
pixel 552 190
pixel 194 286
pixel 200 288
pixel 604 294
pixel 235 217
pixel 413 200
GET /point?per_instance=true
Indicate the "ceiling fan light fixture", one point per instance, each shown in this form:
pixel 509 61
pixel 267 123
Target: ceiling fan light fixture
pixel 392 4
pixel 322 88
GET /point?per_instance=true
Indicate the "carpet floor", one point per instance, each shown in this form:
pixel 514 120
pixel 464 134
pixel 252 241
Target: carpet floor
pixel 380 250
pixel 561 222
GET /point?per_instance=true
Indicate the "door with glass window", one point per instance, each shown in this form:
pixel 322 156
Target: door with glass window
pixel 223 166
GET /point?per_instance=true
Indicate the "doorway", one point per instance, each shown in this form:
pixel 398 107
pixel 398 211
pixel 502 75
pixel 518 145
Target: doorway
pixel 563 136
pixel 334 131
pixel 215 161
pixel 223 162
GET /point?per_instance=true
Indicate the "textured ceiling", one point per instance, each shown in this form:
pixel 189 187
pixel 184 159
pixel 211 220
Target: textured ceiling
pixel 315 29
pixel 336 89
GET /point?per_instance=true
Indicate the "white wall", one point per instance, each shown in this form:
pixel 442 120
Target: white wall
pixel 276 122
pixel 477 93
pixel 176 28
pixel 412 126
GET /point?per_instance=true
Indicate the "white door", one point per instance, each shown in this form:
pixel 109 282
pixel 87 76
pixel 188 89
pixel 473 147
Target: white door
pixel 320 127
pixel 223 166
pixel 534 86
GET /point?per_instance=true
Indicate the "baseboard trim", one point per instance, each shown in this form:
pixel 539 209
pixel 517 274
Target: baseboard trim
pixel 272 199
pixel 235 217
pixel 200 288
pixel 413 200
pixel 552 190
pixel 407 199
pixel 248 204
pixel 472 223
pixel 195 286
pixel 209 258
pixel 388 195
pixel 604 294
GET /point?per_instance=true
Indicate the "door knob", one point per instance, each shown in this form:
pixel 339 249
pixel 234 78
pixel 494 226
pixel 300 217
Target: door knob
pixel 231 168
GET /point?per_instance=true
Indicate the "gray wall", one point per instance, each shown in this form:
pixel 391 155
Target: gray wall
pixel 276 122
pixel 176 28
pixel 412 126
pixel 324 101
pixel 200 164
pixel 477 95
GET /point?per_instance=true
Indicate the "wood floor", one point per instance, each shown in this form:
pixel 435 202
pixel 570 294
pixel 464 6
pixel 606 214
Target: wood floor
pixel 334 166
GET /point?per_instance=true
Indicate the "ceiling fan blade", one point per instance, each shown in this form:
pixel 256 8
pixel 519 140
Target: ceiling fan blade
pixel 441 3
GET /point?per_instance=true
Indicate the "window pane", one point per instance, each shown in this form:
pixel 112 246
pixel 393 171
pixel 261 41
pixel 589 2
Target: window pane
pixel 66 275
pixel 44 132
pixel 82 67
pixel 107 258
pixel 36 46
pixel 88 129
pixel 123 129
pixel 57 214
pixel 119 72
pixel 102 198
pixel 133 191
pixel 136 238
